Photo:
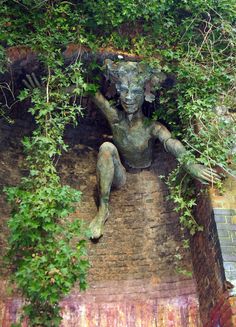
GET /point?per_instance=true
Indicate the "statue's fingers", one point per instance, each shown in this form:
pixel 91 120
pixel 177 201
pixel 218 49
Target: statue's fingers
pixel 27 84
pixel 203 180
pixel 35 80
pixel 210 178
pixel 207 178
pixel 211 172
pixel 30 81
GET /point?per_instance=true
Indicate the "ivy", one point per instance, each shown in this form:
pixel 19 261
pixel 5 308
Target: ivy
pixel 192 41
pixel 47 250
pixel 47 247
pixel 182 194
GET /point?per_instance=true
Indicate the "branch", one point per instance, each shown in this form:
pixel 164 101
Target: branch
pixel 211 160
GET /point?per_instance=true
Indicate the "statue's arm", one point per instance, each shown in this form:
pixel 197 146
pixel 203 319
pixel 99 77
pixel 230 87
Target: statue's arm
pixel 175 147
pixel 103 104
pixel 111 114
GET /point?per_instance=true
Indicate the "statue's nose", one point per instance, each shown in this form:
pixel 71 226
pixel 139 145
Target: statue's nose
pixel 128 96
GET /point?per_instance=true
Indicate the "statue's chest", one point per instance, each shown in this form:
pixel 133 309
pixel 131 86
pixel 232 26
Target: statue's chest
pixel 131 138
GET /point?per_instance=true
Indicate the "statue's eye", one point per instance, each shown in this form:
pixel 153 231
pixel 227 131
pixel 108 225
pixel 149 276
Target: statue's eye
pixel 124 89
pixel 137 91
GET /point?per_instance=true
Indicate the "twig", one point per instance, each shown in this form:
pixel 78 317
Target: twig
pixel 210 159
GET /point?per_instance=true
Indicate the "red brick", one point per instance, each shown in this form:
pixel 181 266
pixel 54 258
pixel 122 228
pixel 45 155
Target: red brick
pixel 234 321
pixel 217 308
pixel 226 316
pixel 225 307
pixel 233 307
pixel 228 323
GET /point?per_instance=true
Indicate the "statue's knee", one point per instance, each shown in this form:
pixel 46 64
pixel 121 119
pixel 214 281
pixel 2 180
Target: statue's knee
pixel 107 147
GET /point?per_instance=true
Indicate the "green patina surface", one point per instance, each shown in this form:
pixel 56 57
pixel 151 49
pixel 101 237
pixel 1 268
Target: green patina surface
pixel 133 138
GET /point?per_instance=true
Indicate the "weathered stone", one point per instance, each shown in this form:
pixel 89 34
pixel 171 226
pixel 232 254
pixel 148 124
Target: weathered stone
pixel 133 279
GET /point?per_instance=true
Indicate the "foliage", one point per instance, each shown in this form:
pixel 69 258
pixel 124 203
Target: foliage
pixel 193 42
pixel 47 250
pixel 47 253
pixel 181 193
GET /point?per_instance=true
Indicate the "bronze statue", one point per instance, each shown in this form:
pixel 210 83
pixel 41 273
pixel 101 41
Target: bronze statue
pixel 133 139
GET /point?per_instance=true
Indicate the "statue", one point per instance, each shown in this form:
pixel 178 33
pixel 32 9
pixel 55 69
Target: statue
pixel 133 139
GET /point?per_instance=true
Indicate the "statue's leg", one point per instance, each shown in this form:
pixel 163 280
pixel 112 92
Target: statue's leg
pixel 110 172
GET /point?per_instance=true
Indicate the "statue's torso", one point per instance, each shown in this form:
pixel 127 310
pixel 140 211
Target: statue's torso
pixel 134 142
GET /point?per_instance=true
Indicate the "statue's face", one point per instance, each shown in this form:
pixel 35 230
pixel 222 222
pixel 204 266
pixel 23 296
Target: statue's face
pixel 130 78
pixel 131 97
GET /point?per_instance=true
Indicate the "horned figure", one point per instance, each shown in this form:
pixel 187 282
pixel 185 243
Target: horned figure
pixel 133 140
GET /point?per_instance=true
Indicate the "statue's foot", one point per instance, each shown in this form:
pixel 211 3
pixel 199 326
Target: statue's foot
pixel 97 224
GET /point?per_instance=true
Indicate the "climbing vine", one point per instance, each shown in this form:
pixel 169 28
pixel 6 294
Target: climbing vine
pixel 47 247
pixel 193 42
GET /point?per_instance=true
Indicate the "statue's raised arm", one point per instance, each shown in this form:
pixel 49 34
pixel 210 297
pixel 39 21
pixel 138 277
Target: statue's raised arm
pixel 103 104
pixel 132 137
pixel 136 82
pixel 110 113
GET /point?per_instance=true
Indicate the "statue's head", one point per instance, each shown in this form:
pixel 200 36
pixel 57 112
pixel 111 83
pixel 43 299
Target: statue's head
pixel 134 82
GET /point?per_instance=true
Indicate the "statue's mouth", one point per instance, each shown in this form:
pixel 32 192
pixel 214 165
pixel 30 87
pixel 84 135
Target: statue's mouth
pixel 127 104
pixel 129 107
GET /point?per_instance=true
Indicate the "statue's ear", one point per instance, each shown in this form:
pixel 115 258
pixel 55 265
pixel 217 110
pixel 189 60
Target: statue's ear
pixel 157 79
pixel 148 95
pixel 111 70
pixel 153 84
pixel 108 63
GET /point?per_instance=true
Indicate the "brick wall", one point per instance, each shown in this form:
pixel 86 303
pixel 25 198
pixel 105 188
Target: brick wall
pixel 133 280
pixel 214 256
pixel 124 304
pixel 207 259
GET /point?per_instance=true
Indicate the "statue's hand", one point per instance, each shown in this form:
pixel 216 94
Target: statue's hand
pixel 31 81
pixel 202 173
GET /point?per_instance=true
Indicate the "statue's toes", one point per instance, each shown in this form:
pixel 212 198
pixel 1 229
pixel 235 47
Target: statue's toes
pixel 96 230
pixel 96 234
